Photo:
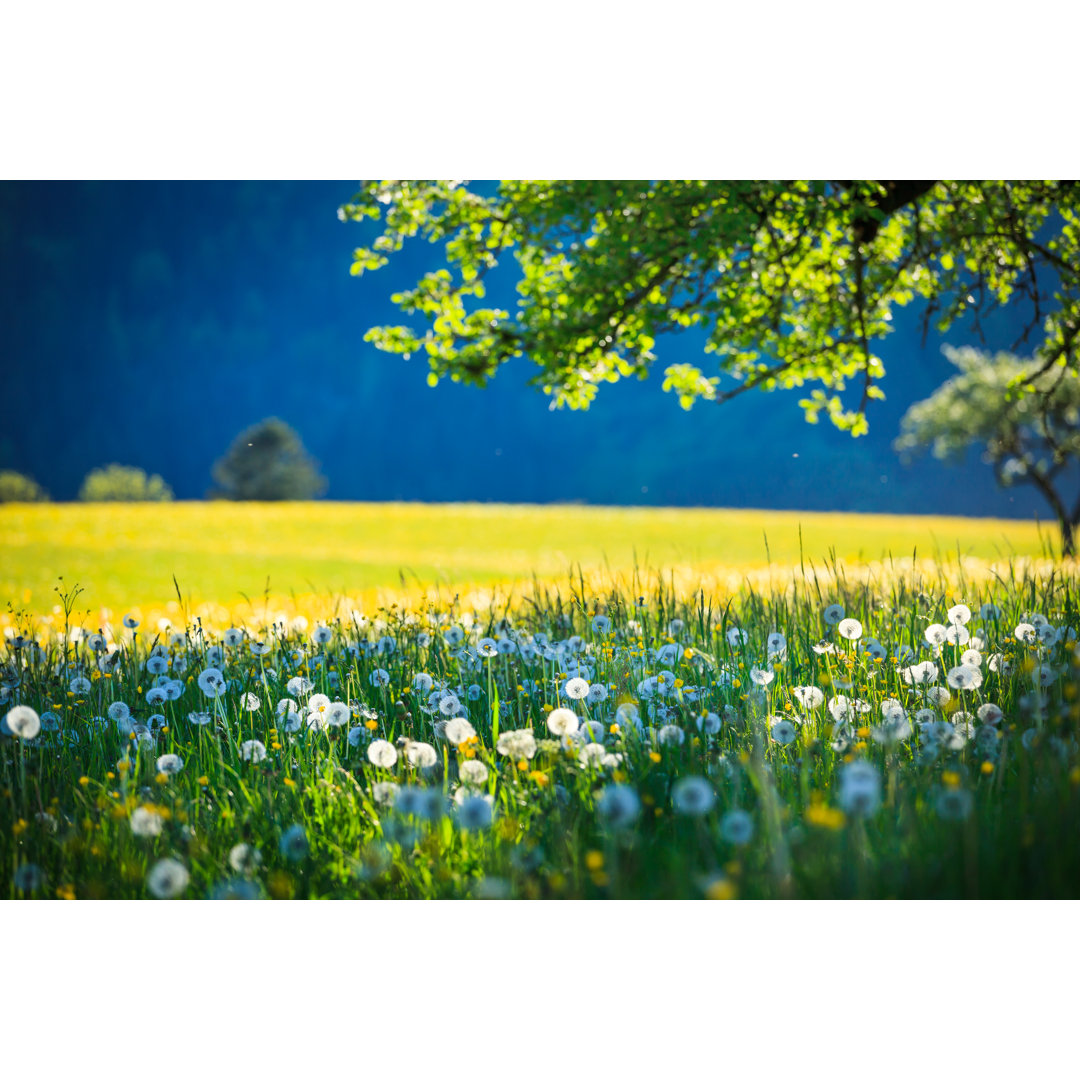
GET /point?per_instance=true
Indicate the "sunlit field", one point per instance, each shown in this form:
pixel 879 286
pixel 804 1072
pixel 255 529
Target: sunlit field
pixel 892 728
pixel 126 555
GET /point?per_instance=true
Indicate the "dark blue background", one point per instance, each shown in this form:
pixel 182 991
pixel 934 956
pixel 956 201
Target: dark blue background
pixel 147 323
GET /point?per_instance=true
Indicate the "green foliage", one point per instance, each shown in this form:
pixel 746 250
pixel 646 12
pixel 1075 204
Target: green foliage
pixel 268 462
pixel 794 282
pixel 123 483
pixel 1026 438
pixel 14 487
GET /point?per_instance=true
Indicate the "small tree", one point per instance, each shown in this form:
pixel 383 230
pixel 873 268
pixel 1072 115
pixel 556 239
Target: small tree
pixel 123 483
pixel 14 487
pixel 1028 437
pixel 268 462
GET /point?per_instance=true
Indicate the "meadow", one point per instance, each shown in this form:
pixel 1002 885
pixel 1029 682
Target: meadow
pixel 126 555
pixel 908 731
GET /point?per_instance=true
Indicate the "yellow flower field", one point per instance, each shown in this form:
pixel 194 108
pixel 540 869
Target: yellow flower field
pixel 224 554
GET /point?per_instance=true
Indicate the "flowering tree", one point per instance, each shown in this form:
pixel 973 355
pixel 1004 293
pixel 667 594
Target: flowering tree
pixel 794 282
pixel 1030 439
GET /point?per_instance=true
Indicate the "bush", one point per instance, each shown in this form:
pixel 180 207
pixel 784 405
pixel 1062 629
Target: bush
pixel 268 462
pixel 14 487
pixel 123 483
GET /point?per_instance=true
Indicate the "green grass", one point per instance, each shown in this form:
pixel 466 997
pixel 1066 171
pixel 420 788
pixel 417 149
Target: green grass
pixel 961 804
pixel 126 555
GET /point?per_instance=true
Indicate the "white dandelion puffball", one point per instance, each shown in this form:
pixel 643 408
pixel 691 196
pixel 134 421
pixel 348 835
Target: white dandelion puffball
pixel 170 764
pixel 592 754
pixel 860 789
pixel 212 682
pixel 475 812
pixel 809 697
pixel 449 704
pixel 937 695
pixel 385 793
pixel 850 629
pixel 935 634
pixel 244 859
pixel 517 744
pixel 781 731
pixel 29 877
pixel 473 772
pixel 965 677
pixel 338 714
pixel 576 689
pixel 23 722
pixel 252 750
pixel 563 721
pixel 709 723
pixel 833 614
pixel 920 674
pixel 298 686
pixel 891 709
pixel 597 692
pixel 382 754
pixel 167 879
pixel 618 806
pixel 294 843
pixel 692 796
pixel 761 676
pixel 671 735
pixel 421 755
pixel 961 613
pixel 145 822
pixel 458 730
pixel 737 827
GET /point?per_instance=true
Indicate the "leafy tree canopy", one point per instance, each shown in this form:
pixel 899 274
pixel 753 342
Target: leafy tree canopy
pixel 793 282
pixel 123 483
pixel 15 487
pixel 267 462
pixel 1031 439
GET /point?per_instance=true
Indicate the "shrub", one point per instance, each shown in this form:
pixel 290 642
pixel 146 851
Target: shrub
pixel 123 483
pixel 14 487
pixel 268 462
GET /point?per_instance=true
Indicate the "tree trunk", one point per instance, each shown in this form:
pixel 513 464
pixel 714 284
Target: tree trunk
pixel 1068 540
